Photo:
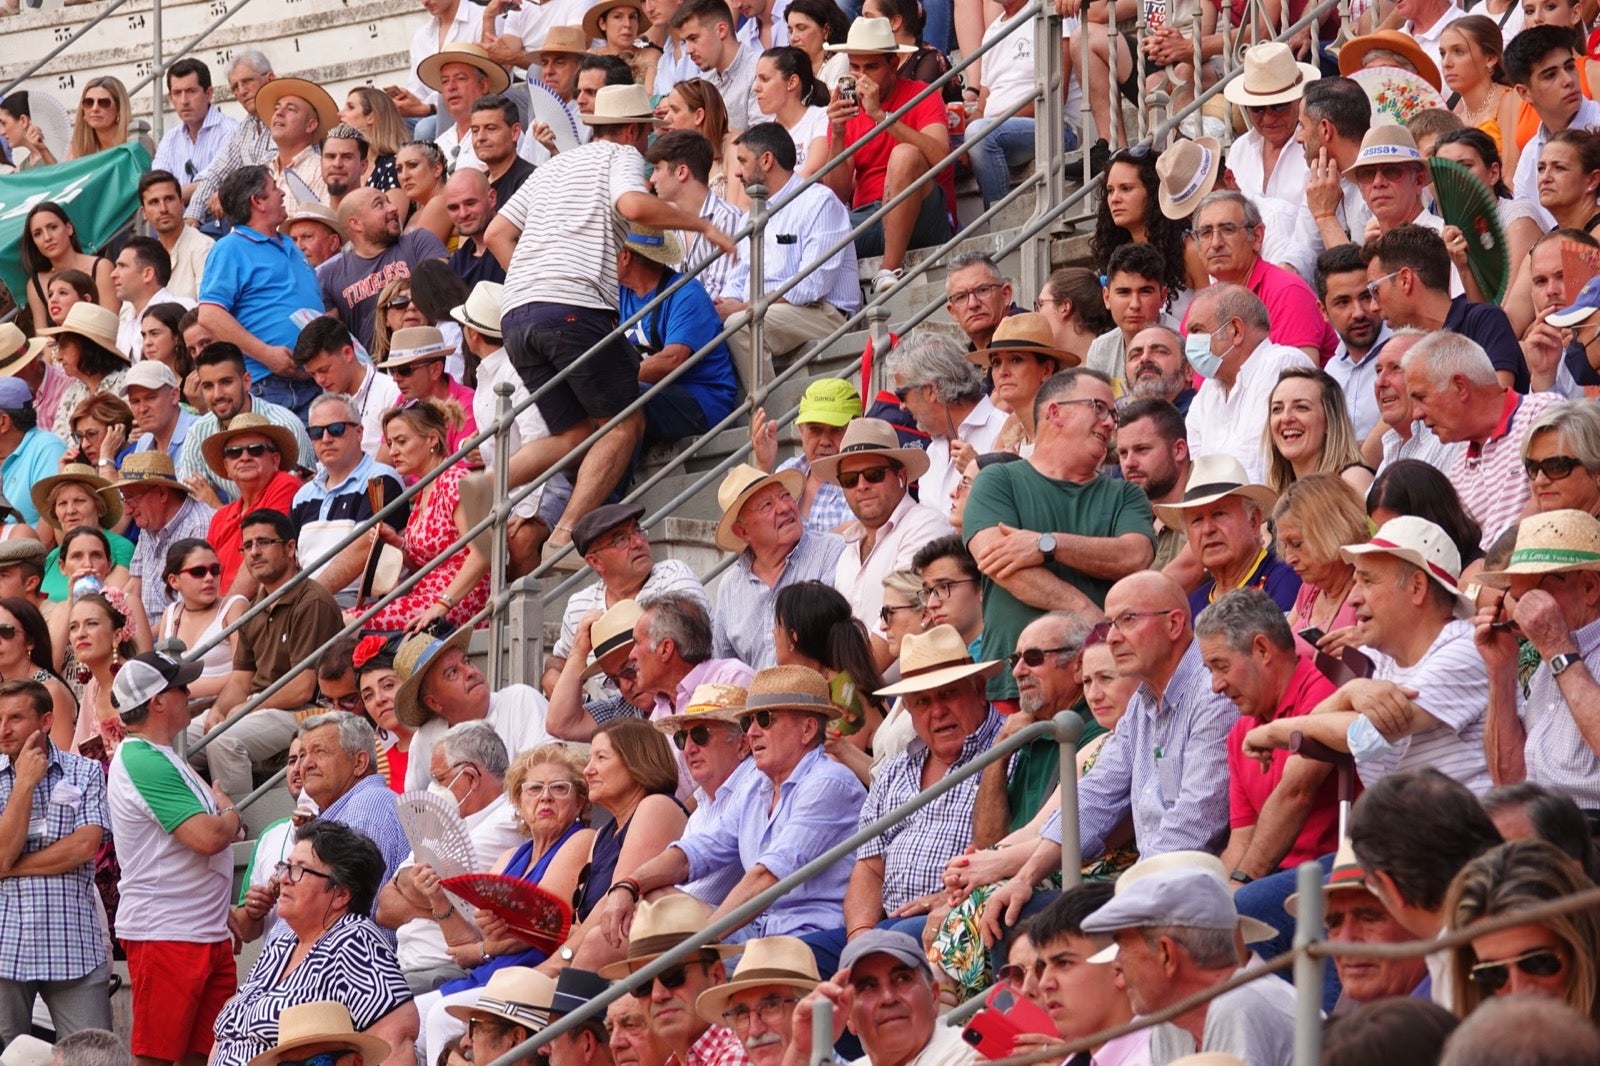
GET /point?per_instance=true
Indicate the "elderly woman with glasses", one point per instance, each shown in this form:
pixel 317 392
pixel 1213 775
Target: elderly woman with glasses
pixel 1561 455
pixel 332 950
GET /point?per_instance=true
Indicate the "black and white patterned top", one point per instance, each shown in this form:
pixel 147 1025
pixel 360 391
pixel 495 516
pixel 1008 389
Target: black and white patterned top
pixel 351 964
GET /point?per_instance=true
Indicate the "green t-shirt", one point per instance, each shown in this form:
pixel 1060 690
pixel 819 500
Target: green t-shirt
pixel 54 585
pixel 1023 498
pixel 1036 769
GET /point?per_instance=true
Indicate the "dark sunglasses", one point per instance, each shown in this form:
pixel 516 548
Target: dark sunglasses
pixel 1034 657
pixel 1554 468
pixel 214 570
pixel 700 734
pixel 760 718
pixel 332 429
pixel 323 1058
pixel 674 978
pixel 1492 976
pixel 255 451
pixel 8 631
pixel 397 303
pixel 1261 109
pixel 874 476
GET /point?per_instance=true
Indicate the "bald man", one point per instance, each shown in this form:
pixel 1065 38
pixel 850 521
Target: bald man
pixel 471 202
pixel 1167 761
pixel 378 253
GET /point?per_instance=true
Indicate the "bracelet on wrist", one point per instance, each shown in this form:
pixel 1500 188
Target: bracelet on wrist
pixel 448 911
pixel 628 885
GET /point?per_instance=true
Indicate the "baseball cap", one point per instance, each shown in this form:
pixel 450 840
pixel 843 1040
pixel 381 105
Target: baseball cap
pixel 1587 304
pixel 150 374
pixel 831 401
pixel 1189 897
pixel 146 676
pixel 897 945
pixel 14 394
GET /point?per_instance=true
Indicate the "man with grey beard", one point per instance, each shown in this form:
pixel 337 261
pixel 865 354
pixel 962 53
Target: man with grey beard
pixel 1157 369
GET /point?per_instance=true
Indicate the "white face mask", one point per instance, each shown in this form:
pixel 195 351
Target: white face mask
pixel 444 793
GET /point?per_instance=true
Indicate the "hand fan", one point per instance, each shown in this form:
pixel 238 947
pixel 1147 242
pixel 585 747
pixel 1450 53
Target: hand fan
pixel 1466 203
pixel 1397 93
pixel 547 107
pixel 532 913
pixel 50 115
pixel 438 835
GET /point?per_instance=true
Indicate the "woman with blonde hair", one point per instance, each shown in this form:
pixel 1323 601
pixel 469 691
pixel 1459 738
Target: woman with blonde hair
pixel 1308 431
pixel 374 114
pixel 101 121
pixel 396 311
pixel 421 169
pixel 1318 515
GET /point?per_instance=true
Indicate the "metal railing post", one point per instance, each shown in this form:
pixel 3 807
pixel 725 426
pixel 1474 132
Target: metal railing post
pixel 1049 140
pixel 499 548
pixel 882 342
pixel 157 120
pixel 1308 966
pixel 758 289
pixel 1069 727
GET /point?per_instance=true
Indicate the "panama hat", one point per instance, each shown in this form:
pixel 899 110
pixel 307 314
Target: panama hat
pixel 1187 172
pixel 1255 931
pixel 657 245
pixel 482 309
pixel 95 324
pixel 519 994
pixel 1027 332
pixel 870 437
pixel 1550 543
pixel 1346 876
pixel 107 500
pixel 416 656
pixel 660 926
pixel 592 17
pixel 611 632
pixel 562 40
pixel 150 467
pixel 313 211
pixel 621 105
pixel 1271 76
pixel 738 485
pixel 934 658
pixel 321 1022
pixel 417 344
pixel 1426 547
pixel 1388 143
pixel 871 35
pixel 767 960
pixel 268 95
pixel 789 688
pixel 1352 57
pixel 253 423
pixel 715 701
pixel 25 1049
pixel 469 53
pixel 17 351
pixel 1212 478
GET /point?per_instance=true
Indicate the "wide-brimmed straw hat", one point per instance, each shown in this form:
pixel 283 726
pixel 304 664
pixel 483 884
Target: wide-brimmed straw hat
pixel 1028 332
pixel 1388 143
pixel 106 498
pixel 412 662
pixel 610 633
pixel 1550 543
pixel 268 95
pixel 416 344
pixel 562 40
pixel 1255 931
pixel 520 995
pixel 871 437
pixel 16 350
pixel 1346 876
pixel 1212 478
pixel 1271 76
pixel 1426 547
pixel 592 17
pixel 934 658
pixel 738 485
pixel 662 246
pixel 150 467
pixel 312 211
pixel 715 701
pixel 1352 57
pixel 621 105
pixel 469 53
pixel 253 424
pixel 869 35
pixel 784 961
pixel 482 309
pixel 1187 172
pixel 95 324
pixel 660 926
pixel 321 1022
pixel 789 688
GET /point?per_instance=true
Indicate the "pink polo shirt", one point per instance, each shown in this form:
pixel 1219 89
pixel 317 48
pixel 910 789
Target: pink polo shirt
pixel 1292 308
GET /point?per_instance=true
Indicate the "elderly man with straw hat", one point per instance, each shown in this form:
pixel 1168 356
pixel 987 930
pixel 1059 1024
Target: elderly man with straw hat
pixel 761 523
pixel 166 511
pixel 1191 169
pixel 758 1002
pixel 600 648
pixel 19 358
pixel 1266 161
pixel 511 1008
pixel 715 753
pixel 298 114
pixel 1549 736
pixel 800 803
pixel 255 455
pixel 322 1028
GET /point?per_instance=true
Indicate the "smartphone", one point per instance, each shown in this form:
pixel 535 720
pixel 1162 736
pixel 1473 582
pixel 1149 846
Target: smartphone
pixel 993 1031
pixel 847 88
pixel 1311 635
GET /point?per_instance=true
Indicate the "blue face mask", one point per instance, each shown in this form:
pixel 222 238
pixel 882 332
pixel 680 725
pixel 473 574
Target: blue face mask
pixel 1197 349
pixel 1366 743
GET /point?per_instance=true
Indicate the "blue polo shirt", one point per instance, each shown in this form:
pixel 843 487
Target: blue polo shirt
pixel 260 280
pixel 688 318
pixel 37 457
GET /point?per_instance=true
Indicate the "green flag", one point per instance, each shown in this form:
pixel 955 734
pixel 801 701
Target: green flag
pixel 99 193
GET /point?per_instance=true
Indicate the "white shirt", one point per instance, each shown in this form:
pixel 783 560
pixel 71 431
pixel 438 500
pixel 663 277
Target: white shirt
pixel 737 86
pixel 1524 186
pixel 525 427
pixel 1287 182
pixel 805 224
pixel 1280 238
pixel 944 1048
pixel 466 26
pixel 372 400
pixel 517 713
pixel 749 31
pixel 420 943
pixel 1230 422
pixel 1358 380
pixel 130 325
pixel 185 157
pixel 188 262
pixel 1013 78
pixel 981 428
pixel 1428 40
pixel 457 148
pixel 533 22
pixel 1351 212
pixel 675 66
pixel 667 576
pixel 909 527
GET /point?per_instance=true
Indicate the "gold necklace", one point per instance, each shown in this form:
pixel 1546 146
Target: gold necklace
pixel 1489 100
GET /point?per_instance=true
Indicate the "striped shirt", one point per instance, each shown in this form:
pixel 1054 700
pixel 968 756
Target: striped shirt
pixel 1555 751
pixel 1488 475
pixel 741 625
pixel 726 218
pixel 186 158
pixel 1422 446
pixel 250 144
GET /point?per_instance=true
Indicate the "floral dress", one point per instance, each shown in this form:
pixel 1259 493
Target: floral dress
pixel 429 531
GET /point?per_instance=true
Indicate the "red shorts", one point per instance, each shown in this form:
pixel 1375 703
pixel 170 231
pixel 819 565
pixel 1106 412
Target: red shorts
pixel 178 991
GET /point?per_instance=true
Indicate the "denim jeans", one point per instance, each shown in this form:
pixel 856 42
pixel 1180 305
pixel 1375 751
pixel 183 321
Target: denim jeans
pixel 294 393
pixel 1263 899
pixel 1009 144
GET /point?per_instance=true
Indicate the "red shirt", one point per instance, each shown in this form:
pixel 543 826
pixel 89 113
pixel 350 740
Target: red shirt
pixel 225 533
pixel 872 160
pixel 1248 787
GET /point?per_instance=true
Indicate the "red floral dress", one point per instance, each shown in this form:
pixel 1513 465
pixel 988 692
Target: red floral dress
pixel 430 530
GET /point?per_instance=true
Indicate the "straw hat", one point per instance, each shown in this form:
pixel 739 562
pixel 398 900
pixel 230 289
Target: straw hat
pixel 1425 546
pixel 416 656
pixel 621 105
pixel 1271 76
pixel 151 467
pixel 106 499
pixel 871 35
pixel 1188 172
pixel 93 323
pixel 17 351
pixel 741 483
pixel 312 211
pixel 416 344
pixel 1388 143
pixel 268 95
pixel 1254 930
pixel 430 70
pixel 519 994
pixel 612 632
pixel 657 245
pixel 715 701
pixel 254 424
pixel 592 17
pixel 659 927
pixel 767 961
pixel 321 1022
pixel 1352 57
pixel 789 688
pixel 1346 876
pixel 482 309
pixel 1028 332
pixel 562 40
pixel 1213 477
pixel 934 658
pixel 25 1049
pixel 1554 542
pixel 870 437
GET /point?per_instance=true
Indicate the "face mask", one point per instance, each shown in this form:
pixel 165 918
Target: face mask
pixel 1366 743
pixel 1197 349
pixel 436 789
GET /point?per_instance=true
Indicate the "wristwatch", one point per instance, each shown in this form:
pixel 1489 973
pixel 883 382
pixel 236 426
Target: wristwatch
pixel 1561 662
pixel 1047 544
pixel 1240 877
pixel 566 954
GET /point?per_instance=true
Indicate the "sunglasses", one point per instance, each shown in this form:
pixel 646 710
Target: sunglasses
pixel 1011 974
pixel 255 451
pixel 674 978
pixel 97 102
pixel 760 718
pixel 1261 109
pixel 8 631
pixel 332 429
pixel 397 303
pixel 700 734
pixel 1554 468
pixel 874 476
pixel 1492 976
pixel 1034 657
pixel 322 1058
pixel 214 570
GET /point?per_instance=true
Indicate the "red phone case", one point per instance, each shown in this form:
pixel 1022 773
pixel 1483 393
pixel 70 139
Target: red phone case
pixel 993 1031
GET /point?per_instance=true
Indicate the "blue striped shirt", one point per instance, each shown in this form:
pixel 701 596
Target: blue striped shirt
pixel 187 158
pixel 742 623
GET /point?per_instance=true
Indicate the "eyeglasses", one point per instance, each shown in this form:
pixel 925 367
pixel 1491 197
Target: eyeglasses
pixel 254 451
pixel 956 299
pixel 1011 974
pixel 8 631
pixel 620 539
pixel 214 570
pixel 940 590
pixel 1492 976
pixel 886 613
pixel 350 702
pixel 874 476
pixel 486 1025
pixel 770 1009
pixel 398 303
pixel 1392 172
pixel 292 873
pixel 259 544
pixel 1371 291
pixel 1034 657
pixel 1554 468
pixel 1226 230
pixel 1102 410
pixel 628 671
pixel 94 103
pixel 1039 304
pixel 332 429
pixel 700 734
pixel 1124 621
pixel 554 789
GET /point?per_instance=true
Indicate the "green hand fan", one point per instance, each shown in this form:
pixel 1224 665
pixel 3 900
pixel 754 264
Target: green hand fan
pixel 1467 203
